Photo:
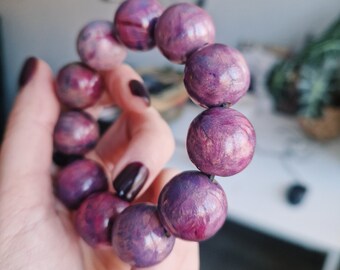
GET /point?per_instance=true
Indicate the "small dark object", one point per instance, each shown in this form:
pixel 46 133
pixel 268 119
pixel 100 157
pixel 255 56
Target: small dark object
pixel 295 193
pixel 63 160
pixel 200 3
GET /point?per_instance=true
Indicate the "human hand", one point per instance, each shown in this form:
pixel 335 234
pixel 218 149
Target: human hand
pixel 36 231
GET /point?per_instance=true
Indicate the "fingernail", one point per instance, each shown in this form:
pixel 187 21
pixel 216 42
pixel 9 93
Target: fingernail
pixel 27 71
pixel 138 89
pixel 131 180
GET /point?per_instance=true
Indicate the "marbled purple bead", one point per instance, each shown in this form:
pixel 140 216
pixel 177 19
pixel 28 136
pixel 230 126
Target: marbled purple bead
pixel 135 21
pixel 98 48
pixel 139 238
pixel 75 133
pixel 182 29
pixel 78 180
pixel 78 86
pixel 216 75
pixel 192 207
pixel 95 217
pixel 221 141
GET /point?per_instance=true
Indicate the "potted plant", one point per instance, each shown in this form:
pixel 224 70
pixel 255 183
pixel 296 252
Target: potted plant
pixel 308 84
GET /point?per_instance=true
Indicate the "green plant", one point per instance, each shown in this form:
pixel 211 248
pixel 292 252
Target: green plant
pixel 310 80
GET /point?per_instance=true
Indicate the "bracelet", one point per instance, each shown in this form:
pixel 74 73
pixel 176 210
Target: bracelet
pixel 220 141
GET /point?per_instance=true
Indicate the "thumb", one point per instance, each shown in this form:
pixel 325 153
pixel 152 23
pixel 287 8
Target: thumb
pixel 26 151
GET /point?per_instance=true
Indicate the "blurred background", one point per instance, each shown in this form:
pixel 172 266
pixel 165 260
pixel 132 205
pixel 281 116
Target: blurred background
pixel 284 209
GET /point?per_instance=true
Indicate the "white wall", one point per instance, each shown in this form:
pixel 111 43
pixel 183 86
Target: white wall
pixel 47 29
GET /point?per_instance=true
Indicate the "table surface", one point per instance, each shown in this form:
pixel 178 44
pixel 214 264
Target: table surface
pixel 256 196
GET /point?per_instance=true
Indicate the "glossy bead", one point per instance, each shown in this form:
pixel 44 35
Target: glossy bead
pixel 78 180
pixel 95 217
pixel 216 75
pixel 182 29
pixel 98 48
pixel 221 141
pixel 192 206
pixel 138 237
pixel 75 133
pixel 135 21
pixel 78 86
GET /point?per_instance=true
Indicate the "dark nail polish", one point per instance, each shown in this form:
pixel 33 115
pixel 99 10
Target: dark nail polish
pixel 131 180
pixel 138 89
pixel 27 71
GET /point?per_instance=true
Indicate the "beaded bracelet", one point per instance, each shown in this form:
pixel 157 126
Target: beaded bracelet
pixel 220 141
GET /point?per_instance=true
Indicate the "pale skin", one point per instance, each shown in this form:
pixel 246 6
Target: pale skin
pixel 36 231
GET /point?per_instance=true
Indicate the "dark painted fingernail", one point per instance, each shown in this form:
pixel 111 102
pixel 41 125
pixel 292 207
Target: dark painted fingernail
pixel 27 71
pixel 139 90
pixel 131 180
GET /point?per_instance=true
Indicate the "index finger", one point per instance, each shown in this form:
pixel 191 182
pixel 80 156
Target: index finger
pixel 126 89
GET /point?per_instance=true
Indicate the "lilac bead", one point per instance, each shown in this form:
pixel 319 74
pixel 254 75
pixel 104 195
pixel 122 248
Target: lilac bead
pixel 182 29
pixel 221 141
pixel 135 23
pixel 192 207
pixel 76 133
pixel 95 217
pixel 78 180
pixel 98 48
pixel 216 75
pixel 78 86
pixel 139 238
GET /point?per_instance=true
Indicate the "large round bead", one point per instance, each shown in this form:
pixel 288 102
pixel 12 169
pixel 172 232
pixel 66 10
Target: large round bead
pixel 182 29
pixel 221 141
pixel 76 133
pixel 192 206
pixel 77 181
pixel 95 217
pixel 139 238
pixel 98 48
pixel 216 75
pixel 135 21
pixel 78 86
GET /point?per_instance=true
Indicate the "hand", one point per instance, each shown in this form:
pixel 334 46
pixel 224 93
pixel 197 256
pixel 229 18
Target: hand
pixel 36 231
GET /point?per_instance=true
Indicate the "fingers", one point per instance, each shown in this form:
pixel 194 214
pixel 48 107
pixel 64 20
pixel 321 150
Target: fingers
pixel 27 147
pixel 126 89
pixel 138 159
pixel 185 255
pixel 152 193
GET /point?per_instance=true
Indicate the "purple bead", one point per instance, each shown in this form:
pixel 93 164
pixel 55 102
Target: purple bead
pixel 139 238
pixel 221 141
pixel 78 86
pixel 95 217
pixel 192 207
pixel 78 180
pixel 75 133
pixel 182 29
pixel 135 23
pixel 216 75
pixel 98 48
